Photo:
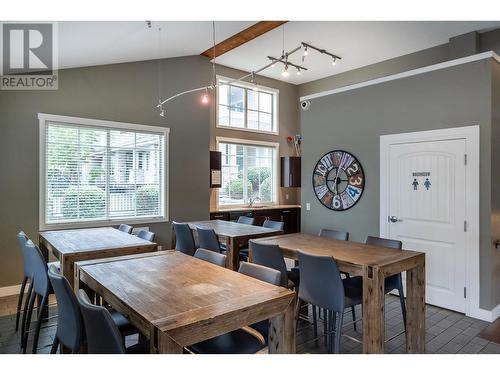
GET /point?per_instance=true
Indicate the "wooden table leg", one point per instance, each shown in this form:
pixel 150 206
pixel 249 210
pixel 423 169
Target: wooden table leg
pixel 162 343
pixel 233 254
pixel 415 309
pixel 373 311
pixel 44 310
pixel 282 331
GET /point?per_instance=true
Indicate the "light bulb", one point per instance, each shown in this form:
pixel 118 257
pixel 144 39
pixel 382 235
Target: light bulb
pixel 306 52
pixel 273 65
pixel 162 113
pixel 298 72
pixel 204 99
pixel 334 62
pixel 285 73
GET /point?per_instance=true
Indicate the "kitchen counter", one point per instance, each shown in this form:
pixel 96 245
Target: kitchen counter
pixel 257 207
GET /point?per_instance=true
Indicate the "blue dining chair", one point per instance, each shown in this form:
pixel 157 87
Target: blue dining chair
pixel 321 285
pixel 125 228
pixel 146 235
pixel 207 239
pixel 211 256
pixel 184 241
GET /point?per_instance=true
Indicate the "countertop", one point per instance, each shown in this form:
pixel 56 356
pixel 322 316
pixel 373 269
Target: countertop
pixel 244 208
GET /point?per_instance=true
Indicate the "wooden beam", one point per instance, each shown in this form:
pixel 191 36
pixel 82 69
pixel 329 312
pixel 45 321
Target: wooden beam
pixel 242 37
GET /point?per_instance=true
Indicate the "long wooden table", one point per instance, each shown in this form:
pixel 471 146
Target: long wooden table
pixel 233 235
pixel 177 300
pixel 70 246
pixel 374 264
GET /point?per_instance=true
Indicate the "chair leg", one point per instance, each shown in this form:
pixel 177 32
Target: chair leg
pixel 353 312
pixel 29 311
pixel 402 301
pixel 325 326
pixel 38 325
pixel 338 332
pixel 55 345
pixel 20 301
pixel 315 321
pixel 331 324
pixel 25 311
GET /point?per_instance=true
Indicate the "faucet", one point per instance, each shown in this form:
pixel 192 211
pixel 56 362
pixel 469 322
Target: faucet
pixel 252 200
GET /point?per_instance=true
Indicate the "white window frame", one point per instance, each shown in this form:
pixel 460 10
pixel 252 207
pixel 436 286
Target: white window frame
pixel 246 142
pixel 44 118
pixel 249 86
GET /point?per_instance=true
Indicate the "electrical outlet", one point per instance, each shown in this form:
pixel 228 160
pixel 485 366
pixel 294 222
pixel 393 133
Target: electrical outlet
pixel 286 196
pixel 308 206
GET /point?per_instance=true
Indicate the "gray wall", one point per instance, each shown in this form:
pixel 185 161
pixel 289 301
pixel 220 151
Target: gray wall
pixel 354 121
pixel 459 46
pixel 121 92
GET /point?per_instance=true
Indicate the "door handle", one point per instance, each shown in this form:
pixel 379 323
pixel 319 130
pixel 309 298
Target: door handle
pixel 394 219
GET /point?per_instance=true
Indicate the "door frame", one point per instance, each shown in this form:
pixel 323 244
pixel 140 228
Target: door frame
pixel 471 136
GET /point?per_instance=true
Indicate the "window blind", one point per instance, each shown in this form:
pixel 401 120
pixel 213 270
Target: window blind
pixel 97 173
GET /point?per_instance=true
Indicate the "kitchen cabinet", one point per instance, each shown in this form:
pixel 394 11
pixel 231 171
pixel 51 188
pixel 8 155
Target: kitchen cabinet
pixel 290 171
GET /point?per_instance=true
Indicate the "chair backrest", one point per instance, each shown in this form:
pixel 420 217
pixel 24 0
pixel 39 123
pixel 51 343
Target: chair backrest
pixel 320 282
pixel 334 234
pixel 262 273
pixel 146 235
pixel 211 256
pixel 246 220
pixel 273 224
pixel 272 257
pixel 27 258
pixel 125 228
pixel 184 241
pixel 384 242
pixel 268 275
pixel 69 319
pixel 207 239
pixel 103 336
pixel 40 279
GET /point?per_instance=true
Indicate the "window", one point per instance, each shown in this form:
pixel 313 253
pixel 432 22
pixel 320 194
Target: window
pixel 249 170
pixel 247 107
pixel 101 171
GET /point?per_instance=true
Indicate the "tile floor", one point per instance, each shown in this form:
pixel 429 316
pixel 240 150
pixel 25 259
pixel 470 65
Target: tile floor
pixel 446 332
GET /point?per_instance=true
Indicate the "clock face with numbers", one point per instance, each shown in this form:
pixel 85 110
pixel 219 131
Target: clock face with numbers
pixel 338 180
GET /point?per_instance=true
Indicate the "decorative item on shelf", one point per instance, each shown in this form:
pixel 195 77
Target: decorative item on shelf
pixel 215 169
pixel 297 141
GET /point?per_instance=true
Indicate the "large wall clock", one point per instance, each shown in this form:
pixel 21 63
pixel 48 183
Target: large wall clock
pixel 338 180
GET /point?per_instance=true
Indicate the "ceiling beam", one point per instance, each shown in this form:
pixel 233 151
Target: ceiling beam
pixel 242 37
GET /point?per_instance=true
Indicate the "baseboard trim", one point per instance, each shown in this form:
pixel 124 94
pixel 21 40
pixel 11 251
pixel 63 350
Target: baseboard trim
pixel 486 315
pixel 11 290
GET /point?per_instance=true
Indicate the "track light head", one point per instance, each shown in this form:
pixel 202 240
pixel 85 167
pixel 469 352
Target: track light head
pixel 204 98
pixel 299 72
pixel 285 73
pixel 334 62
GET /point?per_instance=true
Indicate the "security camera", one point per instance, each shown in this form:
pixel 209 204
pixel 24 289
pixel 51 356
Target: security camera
pixel 305 105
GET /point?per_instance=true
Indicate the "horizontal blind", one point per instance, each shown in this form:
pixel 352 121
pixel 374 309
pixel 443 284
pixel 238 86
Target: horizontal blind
pixel 98 173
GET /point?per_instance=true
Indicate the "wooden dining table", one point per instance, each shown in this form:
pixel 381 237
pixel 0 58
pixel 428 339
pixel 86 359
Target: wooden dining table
pixel 234 235
pixel 374 264
pixel 72 245
pixel 177 300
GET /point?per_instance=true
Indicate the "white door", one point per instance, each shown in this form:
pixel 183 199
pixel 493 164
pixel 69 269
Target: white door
pixel 427 213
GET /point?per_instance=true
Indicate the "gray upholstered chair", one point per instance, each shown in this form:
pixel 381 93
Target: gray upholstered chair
pixel 146 235
pixel 211 256
pixel 101 331
pixel 334 234
pixel 125 228
pixel 273 224
pixel 184 241
pixel 321 285
pixel 207 239
pixel 246 220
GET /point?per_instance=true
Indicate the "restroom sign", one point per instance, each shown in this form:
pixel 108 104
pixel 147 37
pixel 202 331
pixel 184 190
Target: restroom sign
pixel 421 174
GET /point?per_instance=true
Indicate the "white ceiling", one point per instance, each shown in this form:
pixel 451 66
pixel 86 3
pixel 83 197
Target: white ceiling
pixel 358 43
pixel 83 43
